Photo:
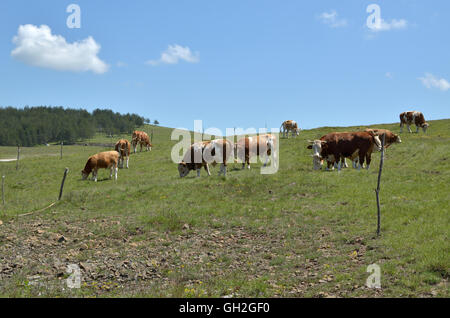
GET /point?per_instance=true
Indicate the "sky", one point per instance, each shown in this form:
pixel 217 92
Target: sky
pixel 235 63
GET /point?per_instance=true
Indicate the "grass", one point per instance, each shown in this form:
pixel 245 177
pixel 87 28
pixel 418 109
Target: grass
pixel 297 233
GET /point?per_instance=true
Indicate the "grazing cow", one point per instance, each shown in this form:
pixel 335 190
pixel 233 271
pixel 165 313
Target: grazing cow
pixel 335 147
pixel 102 160
pixel 142 138
pixel 123 147
pixel 201 154
pixel 390 138
pixel 289 126
pixel 261 145
pixel 415 118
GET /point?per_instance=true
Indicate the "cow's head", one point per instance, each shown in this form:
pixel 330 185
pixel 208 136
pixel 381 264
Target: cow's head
pixel 424 127
pixel 397 139
pixel 316 147
pixel 84 174
pixel 183 169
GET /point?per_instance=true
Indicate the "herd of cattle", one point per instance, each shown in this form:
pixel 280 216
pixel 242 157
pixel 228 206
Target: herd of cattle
pixel 333 148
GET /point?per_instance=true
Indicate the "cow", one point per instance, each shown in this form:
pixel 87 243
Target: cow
pixel 102 160
pixel 123 147
pixel 415 118
pixel 289 126
pixel 390 138
pixel 201 154
pixel 335 147
pixel 261 145
pixel 141 138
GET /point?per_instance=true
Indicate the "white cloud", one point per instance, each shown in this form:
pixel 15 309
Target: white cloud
pixel 175 53
pixel 431 81
pixel 389 75
pixel 331 18
pixel 386 26
pixel 37 46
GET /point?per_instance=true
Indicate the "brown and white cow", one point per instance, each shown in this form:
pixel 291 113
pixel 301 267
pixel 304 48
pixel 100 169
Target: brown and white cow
pixel 123 147
pixel 289 126
pixel 261 145
pixel 414 117
pixel 203 153
pixel 102 160
pixel 141 138
pixel 390 138
pixel 335 147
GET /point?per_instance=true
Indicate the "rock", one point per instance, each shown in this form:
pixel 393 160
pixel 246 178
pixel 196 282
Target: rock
pixel 186 227
pixel 62 239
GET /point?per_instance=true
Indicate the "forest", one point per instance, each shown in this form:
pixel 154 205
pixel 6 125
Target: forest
pixel 32 126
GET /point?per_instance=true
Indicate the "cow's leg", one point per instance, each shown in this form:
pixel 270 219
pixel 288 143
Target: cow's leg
pixel 94 174
pixel 111 170
pixel 417 130
pixel 355 163
pixel 207 169
pixel 116 168
pixel 224 169
pixel 368 160
pixel 198 172
pixel 128 158
pixel 409 128
pixel 361 160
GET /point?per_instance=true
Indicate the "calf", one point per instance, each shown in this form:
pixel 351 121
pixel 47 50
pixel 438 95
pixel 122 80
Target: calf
pixel 141 138
pixel 261 145
pixel 415 118
pixel 123 147
pixel 335 147
pixel 289 126
pixel 102 160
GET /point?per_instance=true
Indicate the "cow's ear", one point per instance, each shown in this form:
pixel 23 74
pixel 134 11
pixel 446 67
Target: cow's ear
pixel 309 147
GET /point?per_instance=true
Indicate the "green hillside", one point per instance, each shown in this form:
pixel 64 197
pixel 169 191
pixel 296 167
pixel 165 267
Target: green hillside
pixel 297 233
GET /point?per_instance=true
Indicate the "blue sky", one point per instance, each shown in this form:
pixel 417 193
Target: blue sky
pixel 231 63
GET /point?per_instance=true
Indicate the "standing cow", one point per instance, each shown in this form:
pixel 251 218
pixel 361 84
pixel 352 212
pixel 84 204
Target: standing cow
pixel 335 147
pixel 201 154
pixel 415 118
pixel 390 137
pixel 123 147
pixel 141 138
pixel 261 145
pixel 289 126
pixel 102 160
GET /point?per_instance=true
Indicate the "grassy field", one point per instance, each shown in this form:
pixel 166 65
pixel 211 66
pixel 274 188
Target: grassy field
pixel 297 233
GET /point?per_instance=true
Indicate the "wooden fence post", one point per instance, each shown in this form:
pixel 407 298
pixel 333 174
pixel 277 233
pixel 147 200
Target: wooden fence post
pixel 377 190
pixel 18 157
pixel 3 190
pixel 62 183
pixel 61 150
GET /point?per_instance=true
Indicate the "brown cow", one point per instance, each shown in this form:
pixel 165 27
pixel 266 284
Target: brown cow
pixel 390 138
pixel 123 147
pixel 261 145
pixel 415 118
pixel 202 153
pixel 142 138
pixel 335 147
pixel 289 126
pixel 102 160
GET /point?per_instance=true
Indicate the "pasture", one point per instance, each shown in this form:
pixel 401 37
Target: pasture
pixel 297 233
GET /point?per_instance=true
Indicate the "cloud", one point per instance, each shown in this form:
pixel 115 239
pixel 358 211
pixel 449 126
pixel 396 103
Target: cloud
pixel 389 75
pixel 386 26
pixel 37 46
pixel 174 54
pixel 431 81
pixel 331 18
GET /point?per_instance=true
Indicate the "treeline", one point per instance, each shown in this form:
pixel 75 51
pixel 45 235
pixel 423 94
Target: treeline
pixel 40 125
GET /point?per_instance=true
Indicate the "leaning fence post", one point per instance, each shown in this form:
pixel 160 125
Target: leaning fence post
pixel 3 190
pixel 62 183
pixel 18 157
pixel 377 190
